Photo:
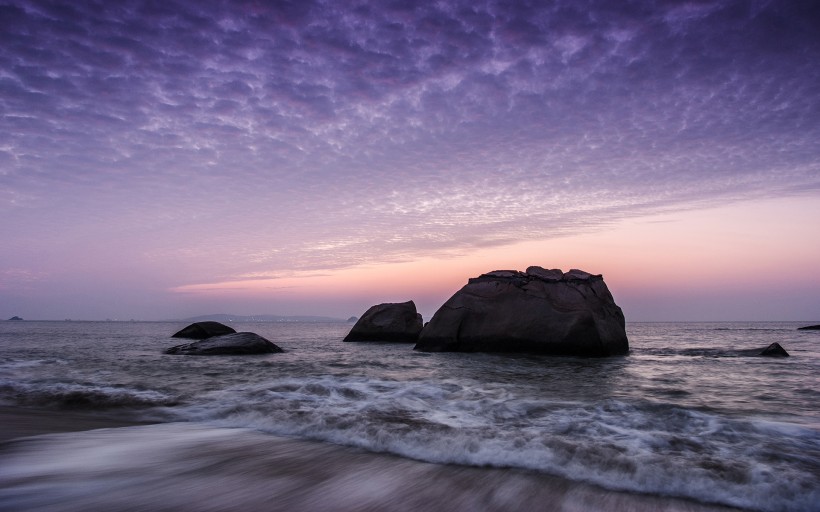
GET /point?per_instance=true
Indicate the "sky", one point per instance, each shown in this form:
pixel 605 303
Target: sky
pixel 173 158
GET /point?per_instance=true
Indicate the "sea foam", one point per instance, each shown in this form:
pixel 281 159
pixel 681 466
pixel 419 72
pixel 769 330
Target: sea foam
pixel 644 447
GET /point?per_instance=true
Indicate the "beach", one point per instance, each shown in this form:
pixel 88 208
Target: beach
pixel 95 416
pixel 60 461
pixel 18 422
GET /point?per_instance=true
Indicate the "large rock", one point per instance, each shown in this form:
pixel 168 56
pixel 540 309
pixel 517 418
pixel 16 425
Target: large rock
pixel 388 322
pixel 809 328
pixel 537 311
pixel 203 330
pixel 238 343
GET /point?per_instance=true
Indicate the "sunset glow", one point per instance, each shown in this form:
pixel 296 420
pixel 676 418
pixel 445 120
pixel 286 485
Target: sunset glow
pixel 317 158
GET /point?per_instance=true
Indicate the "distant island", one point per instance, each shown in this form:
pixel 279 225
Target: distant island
pixel 15 319
pixel 221 317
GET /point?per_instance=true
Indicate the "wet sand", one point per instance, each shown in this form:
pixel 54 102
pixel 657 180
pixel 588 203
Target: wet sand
pixel 17 422
pixel 88 463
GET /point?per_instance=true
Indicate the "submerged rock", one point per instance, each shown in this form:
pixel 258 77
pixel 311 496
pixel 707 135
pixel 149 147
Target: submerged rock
pixel 238 343
pixel 809 328
pixel 203 330
pixel 538 311
pixel 388 322
pixel 774 350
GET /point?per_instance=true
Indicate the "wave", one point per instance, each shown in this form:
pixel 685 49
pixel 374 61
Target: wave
pixel 21 364
pixel 756 329
pixel 178 466
pixel 643 447
pixel 80 396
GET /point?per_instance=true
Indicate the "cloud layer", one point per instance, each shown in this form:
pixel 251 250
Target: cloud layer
pixel 238 139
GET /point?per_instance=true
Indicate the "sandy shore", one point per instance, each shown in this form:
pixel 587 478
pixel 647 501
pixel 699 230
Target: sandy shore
pixel 91 463
pixel 18 422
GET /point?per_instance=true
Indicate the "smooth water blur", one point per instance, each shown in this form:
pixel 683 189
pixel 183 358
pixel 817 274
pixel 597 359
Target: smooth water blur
pixel 186 467
pixel 693 365
pixel 686 413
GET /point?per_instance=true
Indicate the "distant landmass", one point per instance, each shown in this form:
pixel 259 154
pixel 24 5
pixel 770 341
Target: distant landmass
pixel 221 317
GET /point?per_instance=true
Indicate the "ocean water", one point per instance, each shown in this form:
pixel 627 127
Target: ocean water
pixel 686 414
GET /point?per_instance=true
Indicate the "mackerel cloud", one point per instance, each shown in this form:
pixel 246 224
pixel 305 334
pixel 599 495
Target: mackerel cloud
pixel 255 136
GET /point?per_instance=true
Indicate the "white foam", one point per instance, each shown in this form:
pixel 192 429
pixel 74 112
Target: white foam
pixel 190 467
pixel 80 395
pixel 636 447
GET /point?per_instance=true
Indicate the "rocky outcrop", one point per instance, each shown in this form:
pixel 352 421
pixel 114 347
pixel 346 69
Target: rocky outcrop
pixel 809 328
pixel 537 311
pixel 774 350
pixel 203 330
pixel 238 343
pixel 388 322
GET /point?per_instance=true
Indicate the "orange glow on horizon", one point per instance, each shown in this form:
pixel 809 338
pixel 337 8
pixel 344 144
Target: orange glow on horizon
pixel 676 253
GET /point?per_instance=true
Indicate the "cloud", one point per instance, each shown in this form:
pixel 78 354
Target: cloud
pixel 292 136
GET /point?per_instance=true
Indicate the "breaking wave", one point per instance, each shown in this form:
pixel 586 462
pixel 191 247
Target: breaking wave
pixel 79 396
pixel 648 447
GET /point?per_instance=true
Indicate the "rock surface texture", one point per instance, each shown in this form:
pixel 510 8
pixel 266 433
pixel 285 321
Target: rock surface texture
pixel 388 322
pixel 774 350
pixel 537 311
pixel 203 330
pixel 238 343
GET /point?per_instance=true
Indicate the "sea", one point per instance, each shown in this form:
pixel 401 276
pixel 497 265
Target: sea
pixel 687 414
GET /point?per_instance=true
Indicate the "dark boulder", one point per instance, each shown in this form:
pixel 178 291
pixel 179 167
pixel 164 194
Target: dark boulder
pixel 388 322
pixel 203 330
pixel 774 350
pixel 537 311
pixel 238 343
pixel 809 328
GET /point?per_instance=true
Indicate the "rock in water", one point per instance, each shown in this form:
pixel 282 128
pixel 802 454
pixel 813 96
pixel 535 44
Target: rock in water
pixel 388 322
pixel 537 311
pixel 203 330
pixel 809 328
pixel 774 350
pixel 238 343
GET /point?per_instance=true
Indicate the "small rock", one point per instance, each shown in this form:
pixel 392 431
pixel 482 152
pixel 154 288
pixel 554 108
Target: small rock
pixel 547 275
pixel 238 343
pixel 774 350
pixel 578 274
pixel 203 330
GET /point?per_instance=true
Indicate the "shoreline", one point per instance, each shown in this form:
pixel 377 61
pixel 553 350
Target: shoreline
pixel 262 471
pixel 18 422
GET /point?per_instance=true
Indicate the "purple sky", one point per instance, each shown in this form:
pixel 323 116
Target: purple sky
pixel 170 158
